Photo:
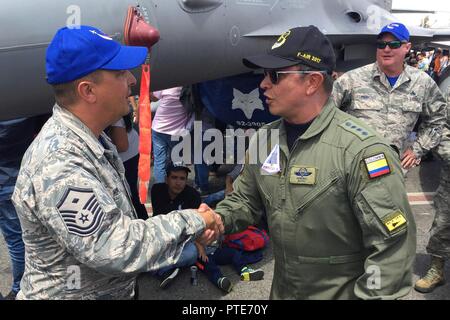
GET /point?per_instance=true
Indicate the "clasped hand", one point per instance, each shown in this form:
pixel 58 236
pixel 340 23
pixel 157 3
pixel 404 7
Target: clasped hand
pixel 214 225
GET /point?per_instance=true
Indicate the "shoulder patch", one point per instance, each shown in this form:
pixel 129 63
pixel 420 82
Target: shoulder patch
pixel 80 211
pixel 377 166
pixel 351 126
pixel 395 221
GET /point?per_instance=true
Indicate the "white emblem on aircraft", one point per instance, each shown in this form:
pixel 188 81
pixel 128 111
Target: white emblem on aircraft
pixel 100 35
pixel 248 103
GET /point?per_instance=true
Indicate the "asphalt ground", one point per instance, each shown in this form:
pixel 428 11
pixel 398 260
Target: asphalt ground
pixel 421 182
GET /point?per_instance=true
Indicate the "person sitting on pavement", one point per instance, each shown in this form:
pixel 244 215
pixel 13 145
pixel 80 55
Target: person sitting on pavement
pixel 175 194
pixel 217 254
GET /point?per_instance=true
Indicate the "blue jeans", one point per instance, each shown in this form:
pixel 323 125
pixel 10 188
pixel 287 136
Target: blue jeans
pixel 162 147
pixel 213 198
pixel 187 258
pixel 201 169
pixel 226 255
pixel 12 232
pixel 202 177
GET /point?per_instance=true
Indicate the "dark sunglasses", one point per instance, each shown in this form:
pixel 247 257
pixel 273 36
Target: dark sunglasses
pixel 274 75
pixel 394 44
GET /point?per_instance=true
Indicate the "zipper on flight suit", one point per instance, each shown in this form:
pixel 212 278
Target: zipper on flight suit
pixel 314 194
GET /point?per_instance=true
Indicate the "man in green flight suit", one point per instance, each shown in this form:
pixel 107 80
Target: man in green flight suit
pixel 331 189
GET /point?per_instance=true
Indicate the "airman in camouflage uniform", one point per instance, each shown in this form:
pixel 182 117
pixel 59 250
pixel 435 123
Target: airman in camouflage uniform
pixel 439 244
pixel 393 109
pixel 82 237
pixel 331 189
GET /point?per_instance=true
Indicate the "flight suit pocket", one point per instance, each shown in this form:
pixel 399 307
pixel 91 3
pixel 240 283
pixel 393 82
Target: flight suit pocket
pixel 329 277
pixel 379 213
pixel 314 194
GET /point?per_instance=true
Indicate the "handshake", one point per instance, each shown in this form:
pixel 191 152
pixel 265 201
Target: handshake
pixel 214 225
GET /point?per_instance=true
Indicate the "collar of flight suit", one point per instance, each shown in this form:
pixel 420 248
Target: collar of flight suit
pixel 69 120
pixel 319 124
pixel 405 76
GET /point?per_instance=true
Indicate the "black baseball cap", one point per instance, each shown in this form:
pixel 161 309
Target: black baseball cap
pixel 176 166
pixel 301 45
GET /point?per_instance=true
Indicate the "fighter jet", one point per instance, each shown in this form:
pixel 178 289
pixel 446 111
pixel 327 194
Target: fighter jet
pixel 190 40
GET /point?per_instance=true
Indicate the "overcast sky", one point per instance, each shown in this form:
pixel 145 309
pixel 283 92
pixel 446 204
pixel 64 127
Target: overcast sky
pixel 439 20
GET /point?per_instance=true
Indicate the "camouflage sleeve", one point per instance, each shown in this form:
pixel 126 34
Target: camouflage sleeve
pixel 86 220
pixel 443 150
pixel 381 207
pixel 341 94
pixel 243 206
pixel 433 120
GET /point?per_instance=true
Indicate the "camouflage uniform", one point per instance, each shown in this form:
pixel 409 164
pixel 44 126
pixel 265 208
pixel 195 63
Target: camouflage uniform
pixel 82 238
pixel 439 243
pixel 393 111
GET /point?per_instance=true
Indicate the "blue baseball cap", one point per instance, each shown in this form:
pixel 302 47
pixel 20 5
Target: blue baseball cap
pixel 74 53
pixel 397 29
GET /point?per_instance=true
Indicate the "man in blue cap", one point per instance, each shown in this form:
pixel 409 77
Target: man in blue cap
pixel 81 234
pixel 390 96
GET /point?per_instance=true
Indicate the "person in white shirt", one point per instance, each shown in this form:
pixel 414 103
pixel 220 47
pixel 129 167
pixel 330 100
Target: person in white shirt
pixel 171 119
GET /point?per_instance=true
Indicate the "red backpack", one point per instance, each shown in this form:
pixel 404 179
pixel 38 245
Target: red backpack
pixel 250 239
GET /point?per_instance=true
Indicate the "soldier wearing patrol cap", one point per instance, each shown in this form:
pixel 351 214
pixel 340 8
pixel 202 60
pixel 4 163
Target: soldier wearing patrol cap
pixel 390 96
pixel 82 237
pixel 332 190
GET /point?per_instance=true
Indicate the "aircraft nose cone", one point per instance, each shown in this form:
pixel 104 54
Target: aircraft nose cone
pixel 137 32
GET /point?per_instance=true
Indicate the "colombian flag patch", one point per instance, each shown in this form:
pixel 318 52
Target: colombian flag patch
pixel 377 166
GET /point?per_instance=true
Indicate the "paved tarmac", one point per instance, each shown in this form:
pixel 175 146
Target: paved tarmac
pixel 420 182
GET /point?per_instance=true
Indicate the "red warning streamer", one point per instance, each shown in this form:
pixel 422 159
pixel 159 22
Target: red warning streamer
pixel 145 134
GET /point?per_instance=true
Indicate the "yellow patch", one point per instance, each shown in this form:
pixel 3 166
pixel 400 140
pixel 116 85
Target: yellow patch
pixel 395 221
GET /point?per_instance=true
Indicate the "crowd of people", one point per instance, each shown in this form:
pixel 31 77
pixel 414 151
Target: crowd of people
pixel 330 218
pixel 434 62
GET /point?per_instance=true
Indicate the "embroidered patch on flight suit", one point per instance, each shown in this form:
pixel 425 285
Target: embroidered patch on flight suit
pixel 394 221
pixel 356 129
pixel 303 175
pixel 377 166
pixel 80 211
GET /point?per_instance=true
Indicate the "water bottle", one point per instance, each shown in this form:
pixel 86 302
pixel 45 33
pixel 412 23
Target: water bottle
pixel 194 280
